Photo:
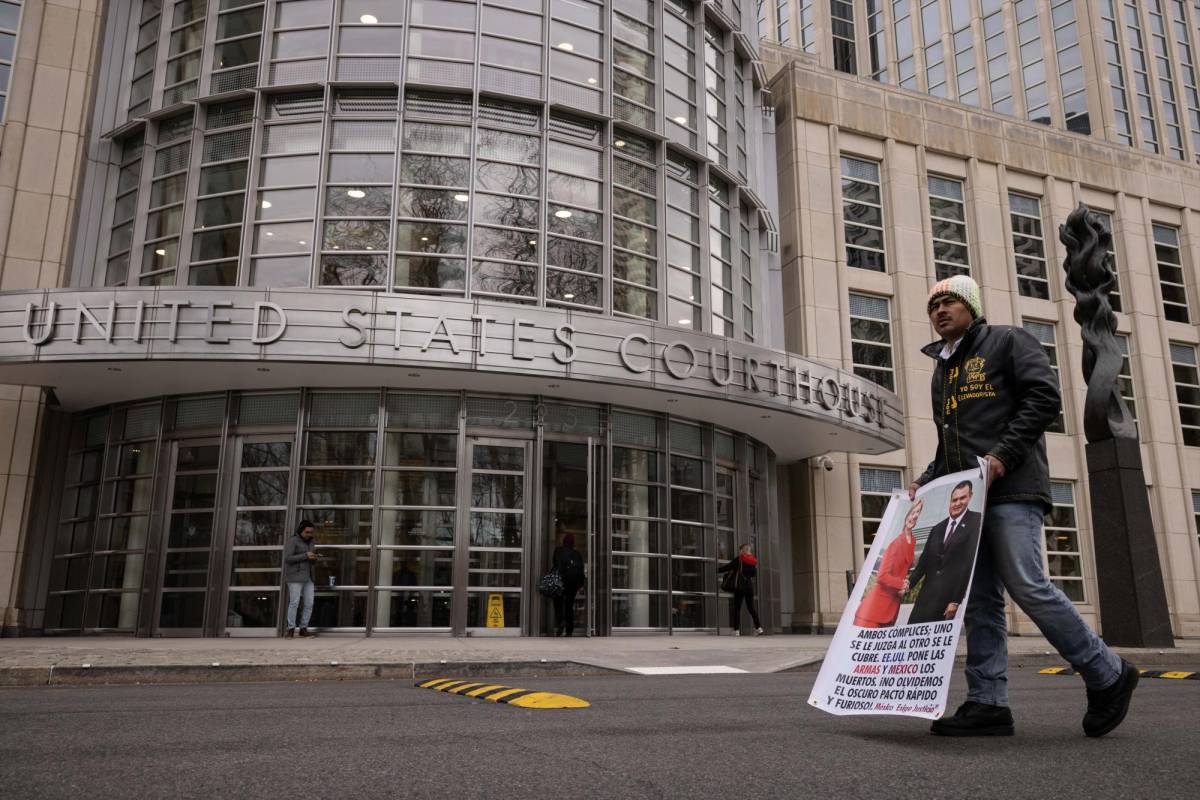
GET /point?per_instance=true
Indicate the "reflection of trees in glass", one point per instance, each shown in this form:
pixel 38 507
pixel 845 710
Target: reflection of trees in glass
pixel 511 279
pixel 573 189
pixel 508 245
pixel 573 288
pixel 263 489
pixel 583 224
pixel 431 204
pixel 508 178
pixel 506 210
pixel 259 528
pixel 266 454
pixel 431 273
pixel 343 201
pixel 579 256
pixel 434 170
pixel 355 234
pixel 431 237
pixel 510 147
pixel 353 270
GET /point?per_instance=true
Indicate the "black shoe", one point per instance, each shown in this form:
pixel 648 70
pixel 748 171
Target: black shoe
pixel 1107 707
pixel 975 719
pixel 305 633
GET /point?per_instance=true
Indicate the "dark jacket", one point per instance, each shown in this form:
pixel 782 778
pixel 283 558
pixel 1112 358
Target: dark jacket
pixel 746 576
pixel 296 566
pixel 946 570
pixel 996 394
pixel 569 564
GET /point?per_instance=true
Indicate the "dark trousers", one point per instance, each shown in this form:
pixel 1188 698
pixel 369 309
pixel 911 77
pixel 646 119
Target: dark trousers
pixel 735 609
pixel 564 609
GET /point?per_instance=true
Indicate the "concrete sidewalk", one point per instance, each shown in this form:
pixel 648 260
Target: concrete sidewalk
pixel 96 659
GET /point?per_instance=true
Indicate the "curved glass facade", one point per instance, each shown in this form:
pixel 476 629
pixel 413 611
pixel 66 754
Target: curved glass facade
pixel 173 513
pixel 596 157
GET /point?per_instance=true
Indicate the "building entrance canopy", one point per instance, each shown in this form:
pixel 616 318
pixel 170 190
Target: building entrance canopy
pixel 95 347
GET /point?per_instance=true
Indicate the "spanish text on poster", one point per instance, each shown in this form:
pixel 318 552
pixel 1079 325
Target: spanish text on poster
pixel 893 652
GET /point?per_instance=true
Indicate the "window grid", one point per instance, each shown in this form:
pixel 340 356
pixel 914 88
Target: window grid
pixel 871 339
pixel 683 243
pixel 720 264
pixel 966 76
pixel 862 214
pixel 10 26
pixel 877 40
pixel 1114 294
pixel 237 46
pixel 1125 379
pixel 145 57
pixel 948 222
pixel 221 196
pixel 635 184
pixel 1033 62
pixel 876 485
pixel 1110 30
pixel 1187 391
pixel 1029 252
pixel 935 54
pixel 1187 69
pixel 1046 335
pixel 995 43
pixel 1166 81
pixel 168 195
pixel 1141 76
pixel 1196 513
pixel 125 208
pixel 184 52
pixel 1169 259
pixel 634 67
pixel 1072 89
pixel 844 54
pixel 1064 560
pixel 902 26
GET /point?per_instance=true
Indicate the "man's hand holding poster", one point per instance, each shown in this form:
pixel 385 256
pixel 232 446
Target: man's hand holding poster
pixel 893 652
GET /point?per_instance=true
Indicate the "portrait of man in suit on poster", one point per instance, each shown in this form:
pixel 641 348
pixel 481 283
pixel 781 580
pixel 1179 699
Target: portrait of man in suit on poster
pixel 947 561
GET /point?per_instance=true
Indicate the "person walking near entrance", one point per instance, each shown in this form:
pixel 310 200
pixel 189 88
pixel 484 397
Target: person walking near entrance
pixel 742 569
pixel 299 558
pixel 569 564
pixel 994 394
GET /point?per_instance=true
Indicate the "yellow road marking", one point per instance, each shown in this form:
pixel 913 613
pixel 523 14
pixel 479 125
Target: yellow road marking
pixel 433 684
pixel 1175 675
pixel 501 695
pixel 485 689
pixel 464 687
pixel 549 700
pixel 1052 670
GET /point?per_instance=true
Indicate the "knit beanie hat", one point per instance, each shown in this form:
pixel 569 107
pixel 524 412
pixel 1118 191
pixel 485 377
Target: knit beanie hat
pixel 962 287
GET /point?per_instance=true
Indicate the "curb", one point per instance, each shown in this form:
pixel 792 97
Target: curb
pixel 257 673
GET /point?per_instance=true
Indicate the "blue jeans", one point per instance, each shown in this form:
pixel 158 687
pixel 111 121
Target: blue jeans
pixel 1010 557
pixel 294 592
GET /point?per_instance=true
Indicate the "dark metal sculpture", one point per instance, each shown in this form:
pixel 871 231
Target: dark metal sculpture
pixel 1133 600
pixel 1089 278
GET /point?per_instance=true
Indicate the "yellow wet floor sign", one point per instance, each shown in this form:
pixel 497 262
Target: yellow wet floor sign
pixel 495 611
pixel 509 695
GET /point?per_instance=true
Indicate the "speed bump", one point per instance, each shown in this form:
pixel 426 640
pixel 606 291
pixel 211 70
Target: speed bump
pixel 1145 673
pixel 509 695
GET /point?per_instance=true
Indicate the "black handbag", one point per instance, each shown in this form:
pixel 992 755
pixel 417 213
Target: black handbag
pixel 551 584
pixel 732 581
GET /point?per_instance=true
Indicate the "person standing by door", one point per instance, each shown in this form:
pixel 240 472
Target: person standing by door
pixel 299 558
pixel 569 564
pixel 742 569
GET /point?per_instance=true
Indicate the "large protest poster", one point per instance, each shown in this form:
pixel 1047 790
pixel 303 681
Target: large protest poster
pixel 893 652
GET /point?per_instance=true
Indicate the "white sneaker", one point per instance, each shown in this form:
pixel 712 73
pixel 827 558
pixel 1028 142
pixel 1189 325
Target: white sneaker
pixel 758 631
pixel 737 633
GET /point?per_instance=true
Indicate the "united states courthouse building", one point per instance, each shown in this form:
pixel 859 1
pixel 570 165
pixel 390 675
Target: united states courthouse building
pixel 454 280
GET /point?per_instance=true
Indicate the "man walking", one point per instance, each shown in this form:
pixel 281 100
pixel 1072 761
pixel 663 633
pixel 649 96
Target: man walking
pixel 994 394
pixel 298 559
pixel 945 563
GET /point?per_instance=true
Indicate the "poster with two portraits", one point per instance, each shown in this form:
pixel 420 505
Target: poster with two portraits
pixel 893 652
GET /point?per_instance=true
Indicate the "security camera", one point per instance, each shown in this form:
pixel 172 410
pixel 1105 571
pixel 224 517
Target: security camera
pixel 823 462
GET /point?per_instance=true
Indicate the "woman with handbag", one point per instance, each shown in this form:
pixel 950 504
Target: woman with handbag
pixel 740 573
pixel 568 563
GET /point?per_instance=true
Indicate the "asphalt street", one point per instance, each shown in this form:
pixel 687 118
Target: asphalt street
pixel 722 737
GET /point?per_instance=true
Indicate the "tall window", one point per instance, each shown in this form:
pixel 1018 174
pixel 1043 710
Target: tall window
pixel 692 549
pixel 679 65
pixel 1064 561
pixel 633 63
pixel 720 256
pixel 877 40
pixel 1125 376
pixel 966 76
pixel 1029 249
pixel 635 274
pixel 1033 62
pixel 356 225
pixel 10 23
pixel 995 43
pixel 783 13
pixel 808 26
pixel 1196 511
pixel 1114 294
pixel 1187 391
pixel 1170 274
pixel 717 138
pixel 235 55
pixel 639 544
pixel 1110 31
pixel 844 56
pixel 935 54
pixel 1070 66
pixel 185 50
pixel 862 214
pixel 683 243
pixel 948 221
pixel 871 339
pixel 1187 68
pixel 168 191
pixel 1166 82
pixel 574 249
pixel 1141 75
pixel 221 203
pixel 875 492
pixel 1044 332
pixel 125 205
pixel 145 57
pixel 902 24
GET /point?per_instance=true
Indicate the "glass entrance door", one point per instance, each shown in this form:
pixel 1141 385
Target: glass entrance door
pixel 259 530
pixel 497 534
pixel 193 497
pixel 567 480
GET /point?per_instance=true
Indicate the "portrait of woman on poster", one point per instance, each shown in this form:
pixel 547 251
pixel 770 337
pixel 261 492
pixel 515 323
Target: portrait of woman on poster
pixel 881 604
